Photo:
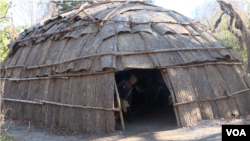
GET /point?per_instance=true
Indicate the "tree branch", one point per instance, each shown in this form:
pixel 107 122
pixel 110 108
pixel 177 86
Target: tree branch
pixel 218 22
pixel 233 14
pixel 6 11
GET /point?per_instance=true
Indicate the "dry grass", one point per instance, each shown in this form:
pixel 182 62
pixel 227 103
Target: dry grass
pixel 6 137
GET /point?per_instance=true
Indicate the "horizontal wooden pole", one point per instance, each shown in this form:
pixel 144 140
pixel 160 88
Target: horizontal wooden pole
pixel 60 76
pixel 212 99
pixel 128 53
pixel 22 101
pixel 100 20
pixel 19 66
pixel 42 102
pixel 184 66
pixel 77 106
pixel 35 78
pixel 203 64
pixel 151 22
pixel 83 74
pixel 123 54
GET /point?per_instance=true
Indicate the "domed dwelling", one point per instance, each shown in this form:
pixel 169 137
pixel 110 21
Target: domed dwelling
pixel 62 71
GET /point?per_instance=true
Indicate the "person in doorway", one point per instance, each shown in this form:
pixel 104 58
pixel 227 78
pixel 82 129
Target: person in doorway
pixel 125 88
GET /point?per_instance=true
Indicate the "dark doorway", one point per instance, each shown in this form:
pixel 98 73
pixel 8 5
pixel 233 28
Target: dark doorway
pixel 149 101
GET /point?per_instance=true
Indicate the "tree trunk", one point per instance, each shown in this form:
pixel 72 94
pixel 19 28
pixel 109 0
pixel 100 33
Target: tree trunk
pixel 246 38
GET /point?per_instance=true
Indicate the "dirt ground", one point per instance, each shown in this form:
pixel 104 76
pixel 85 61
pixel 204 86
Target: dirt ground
pixel 153 126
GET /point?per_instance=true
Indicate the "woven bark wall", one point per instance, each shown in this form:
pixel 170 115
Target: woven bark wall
pixel 93 91
pixel 208 82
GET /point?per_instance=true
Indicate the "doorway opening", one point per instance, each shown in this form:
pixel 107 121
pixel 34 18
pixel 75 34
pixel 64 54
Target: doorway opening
pixel 150 101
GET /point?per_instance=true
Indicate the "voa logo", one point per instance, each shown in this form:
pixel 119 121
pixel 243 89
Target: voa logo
pixel 236 132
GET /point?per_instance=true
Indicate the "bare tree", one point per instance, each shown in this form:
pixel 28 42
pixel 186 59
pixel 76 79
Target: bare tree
pixel 27 12
pixel 31 12
pixel 229 10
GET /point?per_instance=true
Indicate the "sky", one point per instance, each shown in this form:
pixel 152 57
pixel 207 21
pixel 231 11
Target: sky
pixel 184 7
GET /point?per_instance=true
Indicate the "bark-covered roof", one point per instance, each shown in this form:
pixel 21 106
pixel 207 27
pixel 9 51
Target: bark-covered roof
pixel 149 28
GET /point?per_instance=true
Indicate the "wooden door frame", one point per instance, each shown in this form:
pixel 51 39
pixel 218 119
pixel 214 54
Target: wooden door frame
pixel 169 85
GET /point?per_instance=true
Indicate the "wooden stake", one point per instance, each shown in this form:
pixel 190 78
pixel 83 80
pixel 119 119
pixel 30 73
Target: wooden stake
pixel 119 106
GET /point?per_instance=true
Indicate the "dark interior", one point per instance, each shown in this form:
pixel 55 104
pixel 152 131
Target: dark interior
pixel 149 100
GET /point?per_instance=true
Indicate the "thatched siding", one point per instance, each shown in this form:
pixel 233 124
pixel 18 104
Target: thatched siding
pixel 208 82
pixel 93 91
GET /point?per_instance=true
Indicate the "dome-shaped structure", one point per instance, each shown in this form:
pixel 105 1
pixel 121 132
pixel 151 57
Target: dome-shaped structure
pixel 62 70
